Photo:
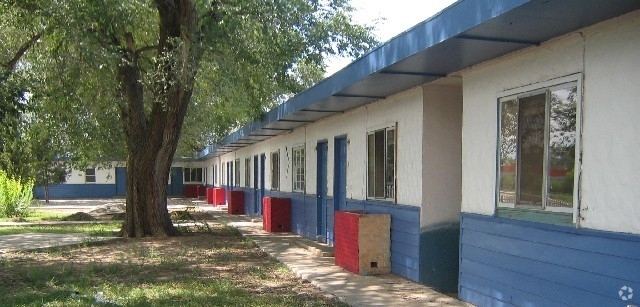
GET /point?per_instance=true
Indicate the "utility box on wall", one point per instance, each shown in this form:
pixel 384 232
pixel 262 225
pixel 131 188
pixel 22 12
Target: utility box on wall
pixel 363 242
pixel 276 214
pixel 236 202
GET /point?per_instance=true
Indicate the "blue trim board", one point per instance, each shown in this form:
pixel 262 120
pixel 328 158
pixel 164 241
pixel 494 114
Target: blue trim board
pixel 61 191
pixel 504 262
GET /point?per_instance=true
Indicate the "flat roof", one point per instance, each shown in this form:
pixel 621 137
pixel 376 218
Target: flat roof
pixel 467 33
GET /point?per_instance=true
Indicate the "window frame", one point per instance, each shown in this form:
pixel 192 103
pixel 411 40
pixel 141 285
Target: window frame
pixel 247 172
pixel 191 175
pixel 236 172
pixel 87 175
pixel 392 197
pixel 298 169
pixel 275 170
pixel 526 92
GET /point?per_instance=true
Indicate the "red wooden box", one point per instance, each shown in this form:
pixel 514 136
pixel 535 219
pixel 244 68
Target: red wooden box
pixel 236 202
pixel 209 195
pixel 218 196
pixel 362 242
pixel 276 214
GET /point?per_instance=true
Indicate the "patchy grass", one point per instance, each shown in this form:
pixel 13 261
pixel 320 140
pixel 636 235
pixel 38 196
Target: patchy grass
pixel 95 229
pixel 216 268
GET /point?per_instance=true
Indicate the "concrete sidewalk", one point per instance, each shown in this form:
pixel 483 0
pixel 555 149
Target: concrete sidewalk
pixel 356 290
pixel 35 241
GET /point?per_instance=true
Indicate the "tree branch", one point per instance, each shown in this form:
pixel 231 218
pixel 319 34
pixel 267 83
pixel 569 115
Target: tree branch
pixel 11 65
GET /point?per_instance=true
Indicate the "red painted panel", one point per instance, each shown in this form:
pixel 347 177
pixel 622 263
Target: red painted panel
pixel 209 197
pixel 346 240
pixel 236 202
pixel 218 196
pixel 276 214
pixel 190 191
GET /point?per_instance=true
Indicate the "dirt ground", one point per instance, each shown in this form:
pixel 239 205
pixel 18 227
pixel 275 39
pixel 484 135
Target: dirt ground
pixel 220 253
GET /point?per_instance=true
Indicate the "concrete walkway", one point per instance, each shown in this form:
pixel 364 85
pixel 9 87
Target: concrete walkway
pixel 302 256
pixel 356 290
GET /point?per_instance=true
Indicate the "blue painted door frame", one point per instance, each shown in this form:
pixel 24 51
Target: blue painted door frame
pixel 121 181
pixel 321 189
pixel 257 204
pixel 340 173
pixel 263 158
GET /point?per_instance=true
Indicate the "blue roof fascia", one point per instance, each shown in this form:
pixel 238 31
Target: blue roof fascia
pixel 457 18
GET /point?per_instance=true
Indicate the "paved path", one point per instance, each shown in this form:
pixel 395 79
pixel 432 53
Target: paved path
pixel 34 241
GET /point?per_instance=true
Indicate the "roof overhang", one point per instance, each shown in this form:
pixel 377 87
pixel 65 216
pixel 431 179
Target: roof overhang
pixel 467 33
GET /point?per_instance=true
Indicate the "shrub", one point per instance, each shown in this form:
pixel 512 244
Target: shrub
pixel 15 196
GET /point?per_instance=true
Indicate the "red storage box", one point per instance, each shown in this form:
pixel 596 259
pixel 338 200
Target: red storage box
pixel 190 191
pixel 209 195
pixel 363 242
pixel 218 196
pixel 200 190
pixel 236 202
pixel 276 214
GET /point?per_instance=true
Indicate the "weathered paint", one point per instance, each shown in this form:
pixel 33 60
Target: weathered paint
pixel 511 262
pixel 441 179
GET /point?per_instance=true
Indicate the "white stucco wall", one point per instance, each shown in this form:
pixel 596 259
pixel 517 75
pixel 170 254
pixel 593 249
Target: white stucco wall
pixel 608 56
pixel 104 175
pixel 441 145
pixel 405 109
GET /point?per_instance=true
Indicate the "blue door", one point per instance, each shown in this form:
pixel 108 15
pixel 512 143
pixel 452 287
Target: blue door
pixel 257 200
pixel 321 189
pixel 339 182
pixel 263 158
pixel 176 182
pixel 121 181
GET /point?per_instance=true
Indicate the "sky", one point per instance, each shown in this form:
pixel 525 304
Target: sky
pixel 390 18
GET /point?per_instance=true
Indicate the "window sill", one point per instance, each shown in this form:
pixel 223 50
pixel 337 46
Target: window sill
pixel 547 217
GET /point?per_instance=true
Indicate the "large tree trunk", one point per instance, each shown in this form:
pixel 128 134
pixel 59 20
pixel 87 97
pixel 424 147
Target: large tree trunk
pixel 152 136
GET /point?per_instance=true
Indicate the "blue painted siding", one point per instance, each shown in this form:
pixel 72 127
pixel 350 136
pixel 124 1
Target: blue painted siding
pixel 61 191
pixel 504 262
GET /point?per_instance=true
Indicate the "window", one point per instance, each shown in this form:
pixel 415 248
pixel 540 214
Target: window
pixel 247 172
pixel 275 170
pixel 90 175
pixel 381 164
pixel 192 175
pixel 236 174
pixel 537 149
pixel 298 169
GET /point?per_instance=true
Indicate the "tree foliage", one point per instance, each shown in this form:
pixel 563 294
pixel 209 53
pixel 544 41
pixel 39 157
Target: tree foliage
pixel 120 79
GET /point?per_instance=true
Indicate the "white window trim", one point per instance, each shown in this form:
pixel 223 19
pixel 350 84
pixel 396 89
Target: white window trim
pixel 189 181
pixel 294 169
pixel 519 92
pixel 273 169
pixel 372 130
pixel 95 176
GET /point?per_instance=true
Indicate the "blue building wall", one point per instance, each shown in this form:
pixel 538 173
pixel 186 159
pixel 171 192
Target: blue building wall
pixel 61 191
pixel 97 190
pixel 506 262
